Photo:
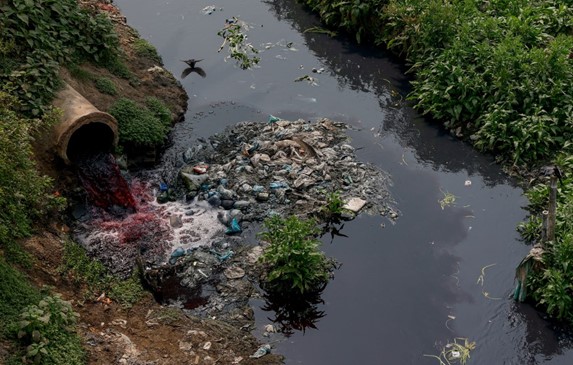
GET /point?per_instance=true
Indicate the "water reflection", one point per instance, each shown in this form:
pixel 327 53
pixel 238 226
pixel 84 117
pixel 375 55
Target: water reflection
pixel 374 70
pixel 294 313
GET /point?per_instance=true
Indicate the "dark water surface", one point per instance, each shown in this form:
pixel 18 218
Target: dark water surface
pixel 403 290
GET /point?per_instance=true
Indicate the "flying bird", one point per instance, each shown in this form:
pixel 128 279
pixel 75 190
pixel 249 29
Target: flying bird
pixel 192 68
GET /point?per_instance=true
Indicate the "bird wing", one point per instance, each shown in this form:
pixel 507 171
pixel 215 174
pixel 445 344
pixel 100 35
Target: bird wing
pixel 200 71
pixel 186 72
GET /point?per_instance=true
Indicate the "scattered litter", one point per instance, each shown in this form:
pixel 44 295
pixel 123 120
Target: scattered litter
pixel 273 119
pixel 311 80
pixel 468 183
pixel 200 169
pixel 208 10
pixel 262 351
pixel 318 70
pixel 234 272
pixel 354 204
pixel 234 227
pixel 207 345
pixel 482 276
pixel 450 318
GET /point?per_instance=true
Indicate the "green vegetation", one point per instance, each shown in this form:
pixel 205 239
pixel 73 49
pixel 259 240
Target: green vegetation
pixel 39 36
pixel 94 276
pixel 236 40
pixel 500 73
pixel 105 86
pixel 145 49
pixel 293 261
pixel 140 126
pixel 552 287
pixel 24 193
pixel 334 204
pixel 43 325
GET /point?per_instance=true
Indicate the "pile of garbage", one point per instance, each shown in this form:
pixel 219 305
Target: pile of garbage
pixel 256 169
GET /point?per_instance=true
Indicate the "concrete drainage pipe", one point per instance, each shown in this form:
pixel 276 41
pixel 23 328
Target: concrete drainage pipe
pixel 83 129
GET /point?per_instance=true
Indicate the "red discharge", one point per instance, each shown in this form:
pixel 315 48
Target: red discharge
pixel 104 183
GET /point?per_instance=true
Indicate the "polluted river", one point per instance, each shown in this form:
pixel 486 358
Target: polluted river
pixel 433 264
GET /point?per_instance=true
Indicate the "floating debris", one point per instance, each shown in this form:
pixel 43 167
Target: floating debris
pixel 311 80
pixel 448 200
pixel 457 352
pixel 321 30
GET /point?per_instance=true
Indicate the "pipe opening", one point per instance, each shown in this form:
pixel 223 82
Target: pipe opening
pixel 90 139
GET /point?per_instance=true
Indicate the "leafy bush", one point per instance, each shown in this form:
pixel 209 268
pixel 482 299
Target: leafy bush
pixel 44 34
pixel 46 329
pixel 23 192
pixel 105 86
pixel 145 49
pixel 138 126
pixel 293 260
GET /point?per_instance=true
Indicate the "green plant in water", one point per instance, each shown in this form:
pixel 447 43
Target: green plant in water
pixel 448 200
pixel 334 204
pixel 236 41
pixel 105 86
pixel 292 260
pixel 456 352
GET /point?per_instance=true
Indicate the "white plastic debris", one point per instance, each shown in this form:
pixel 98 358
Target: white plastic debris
pixel 355 204
pixel 468 183
pixel 262 351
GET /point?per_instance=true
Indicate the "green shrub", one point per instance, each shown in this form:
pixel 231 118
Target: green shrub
pixel 159 110
pixel 45 34
pixel 334 204
pixel 105 86
pixel 46 330
pixel 24 194
pixel 138 126
pixel 292 260
pixel 145 49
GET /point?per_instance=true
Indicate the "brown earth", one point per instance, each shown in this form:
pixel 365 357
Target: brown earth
pixel 146 333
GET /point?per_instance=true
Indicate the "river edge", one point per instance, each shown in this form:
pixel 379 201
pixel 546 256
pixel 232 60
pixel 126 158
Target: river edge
pixel 147 332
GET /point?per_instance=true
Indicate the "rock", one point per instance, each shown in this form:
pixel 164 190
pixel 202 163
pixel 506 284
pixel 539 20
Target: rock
pixel 354 204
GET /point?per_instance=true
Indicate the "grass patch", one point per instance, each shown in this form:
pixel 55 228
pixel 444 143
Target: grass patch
pixel 145 49
pixel 138 125
pixel 95 277
pixel 105 86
